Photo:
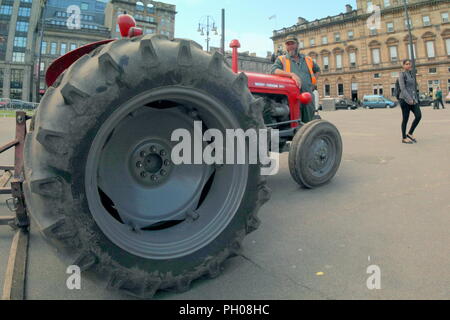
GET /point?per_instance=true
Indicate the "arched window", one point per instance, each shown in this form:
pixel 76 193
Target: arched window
pixel 139 6
pixel 150 8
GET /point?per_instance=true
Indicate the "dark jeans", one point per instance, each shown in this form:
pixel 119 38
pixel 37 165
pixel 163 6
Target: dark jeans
pixel 439 101
pixel 406 109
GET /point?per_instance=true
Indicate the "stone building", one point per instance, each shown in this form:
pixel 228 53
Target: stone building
pixel 151 16
pixel 18 21
pixel 63 34
pixel 360 54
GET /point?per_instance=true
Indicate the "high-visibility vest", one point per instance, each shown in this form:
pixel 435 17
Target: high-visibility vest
pixel 309 62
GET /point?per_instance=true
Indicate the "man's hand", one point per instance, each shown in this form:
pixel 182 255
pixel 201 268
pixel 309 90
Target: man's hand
pixel 297 80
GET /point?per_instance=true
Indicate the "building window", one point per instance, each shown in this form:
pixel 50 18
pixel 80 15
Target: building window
pixel 20 42
pixel 84 6
pixel 387 3
pixel 6 10
pixel 22 26
pixel 448 85
pixel 352 58
pixel 390 27
pixel 430 49
pixel 447 45
pixel 340 89
pixel 24 12
pixel 337 37
pixel 444 16
pixel 393 53
pixel 312 42
pixel 338 61
pixel 150 8
pixel 373 31
pixel 432 70
pixel 376 76
pixel 324 40
pixel 432 84
pixel 18 57
pixel 139 6
pixel 326 63
pixel 327 90
pixel 350 35
pixel 63 48
pixel 44 47
pixel 378 89
pixel 73 46
pixel 426 20
pixel 16 79
pixel 301 44
pixel 376 56
pixel 42 67
pixel 53 48
pixel 394 74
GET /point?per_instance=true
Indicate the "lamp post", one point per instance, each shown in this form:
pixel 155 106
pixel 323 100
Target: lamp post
pixel 205 26
pixel 41 38
pixel 411 44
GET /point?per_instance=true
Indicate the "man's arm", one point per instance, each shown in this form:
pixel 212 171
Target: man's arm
pixel 277 69
pixel 316 70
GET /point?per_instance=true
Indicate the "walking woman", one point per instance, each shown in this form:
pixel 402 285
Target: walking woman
pixel 409 101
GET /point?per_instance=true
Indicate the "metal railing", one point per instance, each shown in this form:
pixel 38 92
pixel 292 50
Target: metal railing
pixel 14 284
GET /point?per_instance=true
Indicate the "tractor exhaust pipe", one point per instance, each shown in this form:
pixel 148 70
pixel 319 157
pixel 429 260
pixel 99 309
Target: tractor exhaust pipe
pixel 234 44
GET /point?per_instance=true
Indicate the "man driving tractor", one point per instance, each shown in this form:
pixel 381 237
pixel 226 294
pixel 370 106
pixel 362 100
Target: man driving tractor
pixel 302 69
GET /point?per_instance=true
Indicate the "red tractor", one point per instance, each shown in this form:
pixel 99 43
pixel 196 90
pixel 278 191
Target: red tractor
pixel 99 180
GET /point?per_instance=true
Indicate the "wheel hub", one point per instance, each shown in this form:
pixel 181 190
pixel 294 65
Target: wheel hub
pixel 150 163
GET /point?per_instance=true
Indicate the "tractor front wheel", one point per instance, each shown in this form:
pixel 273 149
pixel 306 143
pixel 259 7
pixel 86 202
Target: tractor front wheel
pixel 315 154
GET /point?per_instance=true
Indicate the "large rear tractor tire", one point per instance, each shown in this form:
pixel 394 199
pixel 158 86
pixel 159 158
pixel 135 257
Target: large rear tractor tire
pixel 100 181
pixel 315 154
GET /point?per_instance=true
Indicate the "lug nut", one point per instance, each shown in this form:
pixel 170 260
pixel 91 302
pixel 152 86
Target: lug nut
pixel 163 172
pixel 163 153
pixel 138 164
pixel 143 153
pixel 143 174
pixel 153 149
pixel 154 178
pixel 166 162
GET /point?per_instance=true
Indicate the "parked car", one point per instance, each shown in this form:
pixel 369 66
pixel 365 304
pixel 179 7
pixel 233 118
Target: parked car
pixel 4 103
pixel 343 103
pixel 376 101
pixel 425 100
pixel 447 98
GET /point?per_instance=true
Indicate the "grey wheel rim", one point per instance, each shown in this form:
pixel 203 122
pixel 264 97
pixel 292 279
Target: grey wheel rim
pixel 139 198
pixel 321 156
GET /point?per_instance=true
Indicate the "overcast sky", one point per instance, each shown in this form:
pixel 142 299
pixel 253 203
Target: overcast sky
pixel 248 20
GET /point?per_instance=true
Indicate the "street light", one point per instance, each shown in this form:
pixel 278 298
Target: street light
pixel 43 4
pixel 411 45
pixel 207 24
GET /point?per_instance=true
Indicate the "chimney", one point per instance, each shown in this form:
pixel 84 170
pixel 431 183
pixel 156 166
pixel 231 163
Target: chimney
pixel 348 8
pixel 301 20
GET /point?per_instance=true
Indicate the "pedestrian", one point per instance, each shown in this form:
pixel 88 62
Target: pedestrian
pixel 316 98
pixel 433 98
pixel 439 98
pixel 409 101
pixel 300 68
